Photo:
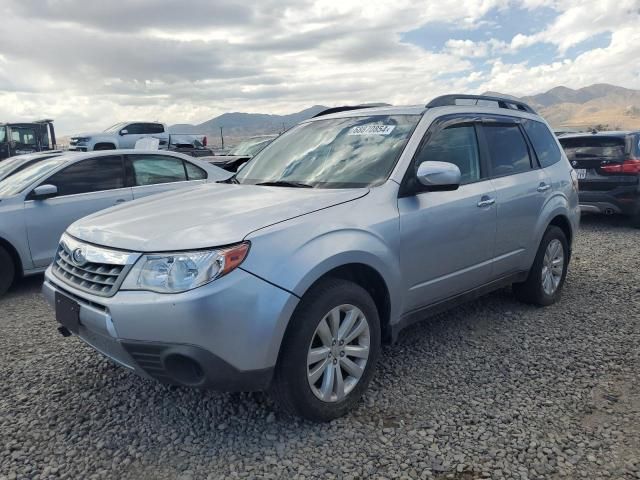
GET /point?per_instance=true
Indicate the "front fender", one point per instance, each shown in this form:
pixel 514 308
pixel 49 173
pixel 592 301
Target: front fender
pixel 308 261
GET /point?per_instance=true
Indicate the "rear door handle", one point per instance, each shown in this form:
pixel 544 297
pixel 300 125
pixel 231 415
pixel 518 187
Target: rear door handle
pixel 543 187
pixel 486 201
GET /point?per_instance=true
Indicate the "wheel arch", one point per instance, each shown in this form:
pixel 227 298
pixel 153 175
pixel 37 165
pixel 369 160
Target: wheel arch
pixel 13 252
pixel 372 281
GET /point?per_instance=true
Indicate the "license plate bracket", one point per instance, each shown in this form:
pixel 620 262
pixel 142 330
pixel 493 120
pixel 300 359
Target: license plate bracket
pixel 68 312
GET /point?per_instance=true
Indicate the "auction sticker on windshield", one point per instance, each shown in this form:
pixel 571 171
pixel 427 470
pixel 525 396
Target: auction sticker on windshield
pixel 372 130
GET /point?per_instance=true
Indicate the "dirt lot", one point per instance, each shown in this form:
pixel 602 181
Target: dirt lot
pixel 492 389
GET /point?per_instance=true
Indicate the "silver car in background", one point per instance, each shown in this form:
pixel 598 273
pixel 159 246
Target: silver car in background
pixel 344 230
pixel 39 201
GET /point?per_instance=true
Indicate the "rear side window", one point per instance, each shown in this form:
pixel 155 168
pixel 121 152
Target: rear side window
pixel 154 169
pixel 507 149
pixel 544 143
pixel 92 175
pixel 194 173
pixel 457 145
pixel 579 148
pixel 150 128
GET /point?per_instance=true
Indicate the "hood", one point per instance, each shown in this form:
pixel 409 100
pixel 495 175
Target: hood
pixel 207 216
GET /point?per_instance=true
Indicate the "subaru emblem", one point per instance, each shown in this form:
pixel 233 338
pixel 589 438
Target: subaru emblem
pixel 79 257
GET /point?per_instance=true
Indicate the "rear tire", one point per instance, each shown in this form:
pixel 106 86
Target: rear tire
pixel 544 283
pixel 323 324
pixel 7 270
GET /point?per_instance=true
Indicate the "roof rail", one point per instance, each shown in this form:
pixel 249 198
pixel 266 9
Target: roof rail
pixel 344 108
pixel 503 102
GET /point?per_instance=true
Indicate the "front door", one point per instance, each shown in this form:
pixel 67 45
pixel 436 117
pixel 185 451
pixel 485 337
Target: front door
pixel 447 237
pixel 84 187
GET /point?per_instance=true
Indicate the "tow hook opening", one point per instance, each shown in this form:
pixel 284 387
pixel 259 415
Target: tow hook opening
pixel 184 369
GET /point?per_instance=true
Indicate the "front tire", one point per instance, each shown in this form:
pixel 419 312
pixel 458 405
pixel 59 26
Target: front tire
pixel 329 353
pixel 7 270
pixel 546 278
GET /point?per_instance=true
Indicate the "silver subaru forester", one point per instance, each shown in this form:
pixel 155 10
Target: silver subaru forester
pixel 347 228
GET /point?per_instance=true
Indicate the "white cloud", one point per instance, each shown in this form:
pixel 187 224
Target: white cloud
pixel 91 64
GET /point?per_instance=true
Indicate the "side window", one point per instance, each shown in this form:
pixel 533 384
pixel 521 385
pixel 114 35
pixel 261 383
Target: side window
pixel 154 169
pixel 134 129
pixel 92 175
pixel 155 128
pixel 193 172
pixel 507 149
pixel 457 145
pixel 544 143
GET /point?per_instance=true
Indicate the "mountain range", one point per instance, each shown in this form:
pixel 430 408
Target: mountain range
pixel 600 106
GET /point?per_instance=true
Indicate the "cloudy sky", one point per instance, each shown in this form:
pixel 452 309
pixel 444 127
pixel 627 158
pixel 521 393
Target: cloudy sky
pixel 90 64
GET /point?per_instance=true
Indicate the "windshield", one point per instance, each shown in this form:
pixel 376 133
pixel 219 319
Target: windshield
pixel 7 166
pixel 21 180
pixel 250 147
pixel 333 153
pixel 117 127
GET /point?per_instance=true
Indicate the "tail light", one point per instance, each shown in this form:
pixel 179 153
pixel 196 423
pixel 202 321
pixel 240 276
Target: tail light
pixel 631 166
pixel 204 141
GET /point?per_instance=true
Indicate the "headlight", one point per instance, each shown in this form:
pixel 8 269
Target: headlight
pixel 81 139
pixel 182 271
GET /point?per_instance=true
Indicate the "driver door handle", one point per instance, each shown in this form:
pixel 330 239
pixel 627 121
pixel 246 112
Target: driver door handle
pixel 486 201
pixel 543 187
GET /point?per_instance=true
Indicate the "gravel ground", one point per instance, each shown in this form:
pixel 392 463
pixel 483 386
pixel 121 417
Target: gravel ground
pixel 492 389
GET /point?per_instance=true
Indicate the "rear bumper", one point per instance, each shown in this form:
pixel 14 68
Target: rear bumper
pixel 623 199
pixel 225 335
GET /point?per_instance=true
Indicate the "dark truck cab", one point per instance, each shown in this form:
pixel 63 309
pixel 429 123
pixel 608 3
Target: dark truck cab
pixel 26 137
pixel 608 168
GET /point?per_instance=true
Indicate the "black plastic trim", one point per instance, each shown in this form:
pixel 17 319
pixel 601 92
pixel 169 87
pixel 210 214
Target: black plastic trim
pixel 216 374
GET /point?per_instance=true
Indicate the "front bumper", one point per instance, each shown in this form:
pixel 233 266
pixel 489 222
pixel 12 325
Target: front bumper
pixel 225 335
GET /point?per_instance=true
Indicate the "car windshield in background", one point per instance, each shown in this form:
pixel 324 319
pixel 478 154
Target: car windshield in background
pixel 115 128
pixel 333 153
pixel 250 147
pixel 21 180
pixel 9 165
pixel 577 148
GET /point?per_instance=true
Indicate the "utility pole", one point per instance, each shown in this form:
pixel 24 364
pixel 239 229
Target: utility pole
pixel 221 138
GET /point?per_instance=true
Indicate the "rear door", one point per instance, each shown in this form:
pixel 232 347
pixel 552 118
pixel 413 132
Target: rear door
pixel 84 187
pixel 156 173
pixel 522 188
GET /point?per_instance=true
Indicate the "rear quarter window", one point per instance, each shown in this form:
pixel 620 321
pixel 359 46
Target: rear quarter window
pixel 544 143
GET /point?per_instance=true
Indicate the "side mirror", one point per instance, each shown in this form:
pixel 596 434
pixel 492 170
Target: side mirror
pixel 124 131
pixel 42 192
pixel 439 176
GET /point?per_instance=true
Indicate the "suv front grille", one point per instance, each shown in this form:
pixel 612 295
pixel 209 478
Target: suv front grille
pixel 98 270
pixel 98 278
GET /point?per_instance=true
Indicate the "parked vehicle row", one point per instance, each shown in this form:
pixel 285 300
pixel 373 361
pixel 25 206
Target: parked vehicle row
pixel 50 191
pixel 124 135
pixel 289 275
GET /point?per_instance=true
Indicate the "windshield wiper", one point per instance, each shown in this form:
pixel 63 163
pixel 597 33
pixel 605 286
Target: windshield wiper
pixel 284 183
